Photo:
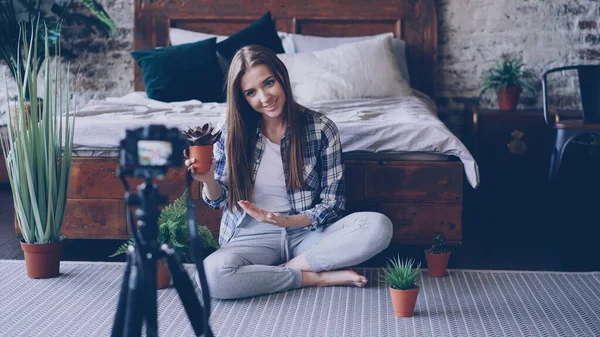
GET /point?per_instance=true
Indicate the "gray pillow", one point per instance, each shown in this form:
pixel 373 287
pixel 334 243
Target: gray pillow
pixel 307 43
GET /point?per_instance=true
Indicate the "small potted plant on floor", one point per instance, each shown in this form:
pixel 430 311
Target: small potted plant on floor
pixel 437 257
pixel 508 79
pixel 37 153
pixel 402 278
pixel 173 230
pixel 200 142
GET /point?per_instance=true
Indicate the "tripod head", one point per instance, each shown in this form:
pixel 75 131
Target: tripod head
pixel 149 152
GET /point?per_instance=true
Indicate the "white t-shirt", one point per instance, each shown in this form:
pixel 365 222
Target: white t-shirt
pixel 270 193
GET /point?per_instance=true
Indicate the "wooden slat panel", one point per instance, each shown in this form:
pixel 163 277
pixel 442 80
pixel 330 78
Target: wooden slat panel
pixel 348 27
pixel 355 183
pixel 205 216
pixel 418 223
pixel 213 25
pixel 208 217
pixel 289 8
pixel 414 182
pixel 95 178
pixel 100 219
pixel 142 39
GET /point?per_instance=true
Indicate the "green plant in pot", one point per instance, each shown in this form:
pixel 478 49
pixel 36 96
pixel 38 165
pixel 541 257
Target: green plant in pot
pixel 200 140
pixel 37 153
pixel 402 275
pixel 173 230
pixel 508 79
pixel 437 257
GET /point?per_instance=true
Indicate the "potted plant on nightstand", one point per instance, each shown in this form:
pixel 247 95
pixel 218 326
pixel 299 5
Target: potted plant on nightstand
pixel 508 79
pixel 402 278
pixel 37 153
pixel 173 230
pixel 437 257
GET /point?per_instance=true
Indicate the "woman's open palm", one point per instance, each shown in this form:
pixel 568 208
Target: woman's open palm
pixel 261 215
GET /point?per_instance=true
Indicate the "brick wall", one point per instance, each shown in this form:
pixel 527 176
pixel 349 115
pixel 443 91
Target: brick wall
pixel 547 34
pixel 472 35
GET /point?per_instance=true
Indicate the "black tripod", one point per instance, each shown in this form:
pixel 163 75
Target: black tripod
pixel 137 300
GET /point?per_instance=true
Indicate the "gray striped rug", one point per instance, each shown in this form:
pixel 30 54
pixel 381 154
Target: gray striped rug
pixel 466 303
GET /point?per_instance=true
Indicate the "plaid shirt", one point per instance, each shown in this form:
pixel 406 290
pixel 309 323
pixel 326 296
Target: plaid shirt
pixel 322 198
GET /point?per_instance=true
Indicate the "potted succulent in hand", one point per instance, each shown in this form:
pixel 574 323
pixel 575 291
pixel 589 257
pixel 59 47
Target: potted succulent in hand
pixel 173 230
pixel 37 153
pixel 508 79
pixel 200 142
pixel 437 257
pixel 402 278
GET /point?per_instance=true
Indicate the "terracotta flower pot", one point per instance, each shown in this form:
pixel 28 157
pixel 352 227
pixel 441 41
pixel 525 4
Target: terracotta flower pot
pixel 42 259
pixel 437 263
pixel 404 301
pixel 508 98
pixel 163 276
pixel 203 156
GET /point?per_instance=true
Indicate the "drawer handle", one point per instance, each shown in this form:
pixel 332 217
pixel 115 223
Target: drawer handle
pixel 517 146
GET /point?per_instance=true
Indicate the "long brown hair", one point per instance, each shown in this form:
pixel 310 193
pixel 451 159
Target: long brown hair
pixel 242 122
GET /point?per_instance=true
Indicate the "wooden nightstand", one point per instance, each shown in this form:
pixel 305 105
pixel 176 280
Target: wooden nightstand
pixel 512 149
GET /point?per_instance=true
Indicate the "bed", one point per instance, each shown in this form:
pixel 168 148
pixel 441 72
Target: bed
pixel 419 189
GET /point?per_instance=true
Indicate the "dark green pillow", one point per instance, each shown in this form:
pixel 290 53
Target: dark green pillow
pixel 261 32
pixel 183 72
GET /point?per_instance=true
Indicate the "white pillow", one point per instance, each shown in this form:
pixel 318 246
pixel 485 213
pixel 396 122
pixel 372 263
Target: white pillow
pixel 307 43
pixel 180 36
pixel 354 70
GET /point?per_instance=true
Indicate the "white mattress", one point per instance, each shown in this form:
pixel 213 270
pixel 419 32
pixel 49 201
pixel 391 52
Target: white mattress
pixel 399 125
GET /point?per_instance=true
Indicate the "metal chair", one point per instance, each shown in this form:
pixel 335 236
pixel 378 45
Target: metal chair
pixel 585 131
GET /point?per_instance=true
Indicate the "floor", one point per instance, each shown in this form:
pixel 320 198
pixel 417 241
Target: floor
pixel 546 244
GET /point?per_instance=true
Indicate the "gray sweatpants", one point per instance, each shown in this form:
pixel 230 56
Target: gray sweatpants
pixel 248 264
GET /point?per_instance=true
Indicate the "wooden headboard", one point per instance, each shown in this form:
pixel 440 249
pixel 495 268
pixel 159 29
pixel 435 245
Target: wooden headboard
pixel 414 21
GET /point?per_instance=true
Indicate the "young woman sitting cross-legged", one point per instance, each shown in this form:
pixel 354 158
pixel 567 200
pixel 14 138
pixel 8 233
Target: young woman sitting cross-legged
pixel 278 174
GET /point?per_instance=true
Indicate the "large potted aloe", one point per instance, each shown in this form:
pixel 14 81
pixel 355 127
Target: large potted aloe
pixel 37 152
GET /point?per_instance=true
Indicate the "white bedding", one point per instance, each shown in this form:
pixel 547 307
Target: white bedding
pixel 384 125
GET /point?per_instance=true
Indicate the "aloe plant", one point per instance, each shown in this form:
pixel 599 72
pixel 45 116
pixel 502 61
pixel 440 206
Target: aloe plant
pixel 400 274
pixel 37 150
pixel 201 135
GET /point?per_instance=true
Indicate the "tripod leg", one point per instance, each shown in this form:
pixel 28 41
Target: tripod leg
pixel 149 295
pixel 197 314
pixel 133 317
pixel 117 329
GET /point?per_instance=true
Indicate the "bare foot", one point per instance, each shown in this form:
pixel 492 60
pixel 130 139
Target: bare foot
pixel 340 277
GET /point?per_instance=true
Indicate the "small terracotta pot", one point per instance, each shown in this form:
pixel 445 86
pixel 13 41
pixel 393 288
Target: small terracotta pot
pixel 437 263
pixel 508 98
pixel 203 156
pixel 404 301
pixel 42 260
pixel 163 276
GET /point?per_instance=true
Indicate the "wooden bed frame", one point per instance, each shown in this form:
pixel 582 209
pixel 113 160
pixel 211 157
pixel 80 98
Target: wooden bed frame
pixel 421 197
